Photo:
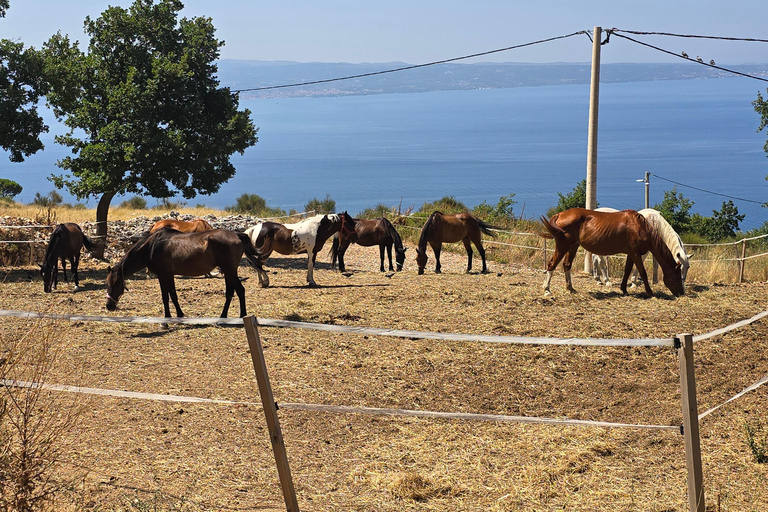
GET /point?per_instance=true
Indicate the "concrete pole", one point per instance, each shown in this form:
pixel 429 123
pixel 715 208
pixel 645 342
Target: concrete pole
pixel 594 99
pixel 647 189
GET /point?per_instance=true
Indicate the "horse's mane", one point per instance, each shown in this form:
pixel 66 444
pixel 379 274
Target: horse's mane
pixel 394 234
pixel 426 231
pixel 666 232
pixel 54 245
pixel 659 247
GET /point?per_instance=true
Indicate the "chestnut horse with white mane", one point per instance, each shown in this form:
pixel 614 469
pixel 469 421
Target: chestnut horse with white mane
pixel 606 233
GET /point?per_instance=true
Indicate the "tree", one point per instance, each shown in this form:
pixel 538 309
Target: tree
pixel 761 107
pixel 21 86
pixel 577 198
pixel 9 188
pixel 325 206
pixel 724 223
pixel 147 102
pixel 676 209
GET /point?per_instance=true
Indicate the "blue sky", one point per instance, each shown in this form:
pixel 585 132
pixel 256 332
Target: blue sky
pixel 423 31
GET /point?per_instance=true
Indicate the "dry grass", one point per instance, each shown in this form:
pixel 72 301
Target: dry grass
pixel 218 457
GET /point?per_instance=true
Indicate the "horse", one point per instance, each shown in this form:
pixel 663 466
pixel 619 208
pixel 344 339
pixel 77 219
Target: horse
pixel 456 227
pixel 168 253
pixel 368 233
pixel 185 226
pixel 606 233
pixel 308 235
pixel 66 242
pixel 667 234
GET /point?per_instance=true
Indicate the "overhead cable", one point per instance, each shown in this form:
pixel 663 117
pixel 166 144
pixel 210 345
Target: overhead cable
pixel 686 57
pixel 748 39
pixel 707 191
pixel 415 66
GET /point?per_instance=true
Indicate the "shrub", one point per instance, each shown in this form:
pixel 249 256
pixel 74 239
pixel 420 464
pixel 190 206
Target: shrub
pixel 135 203
pixel 167 204
pixel 380 210
pixel 253 204
pixel 446 204
pixel 53 198
pixel 499 214
pixel 325 206
pixel 577 198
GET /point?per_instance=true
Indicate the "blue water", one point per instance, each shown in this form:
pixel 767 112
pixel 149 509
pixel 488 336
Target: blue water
pixel 479 145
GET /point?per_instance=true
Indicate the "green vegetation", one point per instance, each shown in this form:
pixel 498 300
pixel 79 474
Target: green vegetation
pixel 577 198
pixel 380 210
pixel 757 440
pixel 53 198
pixel 447 204
pixel 325 206
pixel 252 204
pixel 723 225
pixel 9 188
pixel 135 203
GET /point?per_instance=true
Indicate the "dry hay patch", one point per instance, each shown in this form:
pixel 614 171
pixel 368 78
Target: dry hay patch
pixel 214 457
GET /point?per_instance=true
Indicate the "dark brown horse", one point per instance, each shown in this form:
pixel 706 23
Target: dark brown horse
pixel 185 226
pixel 368 233
pixel 307 236
pixel 167 253
pixel 457 227
pixel 606 233
pixel 66 242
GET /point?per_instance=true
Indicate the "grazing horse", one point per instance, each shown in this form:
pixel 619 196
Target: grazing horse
pixel 167 253
pixel 185 226
pixel 307 236
pixel 449 228
pixel 606 233
pixel 66 242
pixel 368 233
pixel 667 234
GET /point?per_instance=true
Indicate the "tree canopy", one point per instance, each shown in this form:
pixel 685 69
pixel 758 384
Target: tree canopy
pixel 144 107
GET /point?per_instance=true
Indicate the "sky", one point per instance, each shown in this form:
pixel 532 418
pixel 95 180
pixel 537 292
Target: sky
pixel 423 31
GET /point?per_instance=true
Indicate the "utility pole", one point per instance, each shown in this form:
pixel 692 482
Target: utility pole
pixel 594 97
pixel 647 188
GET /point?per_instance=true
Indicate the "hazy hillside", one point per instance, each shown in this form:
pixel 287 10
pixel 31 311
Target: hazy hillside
pixel 247 74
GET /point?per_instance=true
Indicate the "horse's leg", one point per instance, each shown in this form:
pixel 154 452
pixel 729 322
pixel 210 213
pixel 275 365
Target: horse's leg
pixel 627 269
pixel 567 267
pixel 641 268
pixel 551 266
pixel 342 250
pixel 468 248
pixel 240 289
pixel 311 268
pixel 229 283
pixel 64 269
pixel 389 256
pixel 436 248
pixel 381 257
pixel 168 288
pixel 75 266
pixel 481 250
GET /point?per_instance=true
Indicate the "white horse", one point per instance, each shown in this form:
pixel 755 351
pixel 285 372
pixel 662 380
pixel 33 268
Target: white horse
pixel 667 233
pixel 306 236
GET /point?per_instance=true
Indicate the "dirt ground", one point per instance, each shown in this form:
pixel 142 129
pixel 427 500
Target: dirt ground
pixel 131 454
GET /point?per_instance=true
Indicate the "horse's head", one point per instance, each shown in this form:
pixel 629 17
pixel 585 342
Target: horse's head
pixel 347 229
pixel 400 258
pixel 115 286
pixel 50 275
pixel 673 279
pixel 421 260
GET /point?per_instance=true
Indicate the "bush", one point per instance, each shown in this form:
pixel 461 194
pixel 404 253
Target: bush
pixel 167 204
pixel 499 214
pixel 577 198
pixel 52 199
pixel 380 210
pixel 135 203
pixel 326 206
pixel 253 204
pixel 446 204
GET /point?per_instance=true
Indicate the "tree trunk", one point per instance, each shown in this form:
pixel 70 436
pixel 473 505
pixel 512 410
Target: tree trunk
pixel 102 211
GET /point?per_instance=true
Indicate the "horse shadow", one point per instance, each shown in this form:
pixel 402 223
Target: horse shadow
pixel 601 295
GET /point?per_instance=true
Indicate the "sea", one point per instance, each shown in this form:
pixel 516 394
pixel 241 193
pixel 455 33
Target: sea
pixel 405 149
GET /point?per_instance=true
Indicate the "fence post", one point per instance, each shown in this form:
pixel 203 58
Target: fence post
pixel 270 411
pixel 545 253
pixel 684 345
pixel 742 261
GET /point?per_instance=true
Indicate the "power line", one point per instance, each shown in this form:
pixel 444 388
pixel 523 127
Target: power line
pixel 707 191
pixel 748 39
pixel 405 68
pixel 685 57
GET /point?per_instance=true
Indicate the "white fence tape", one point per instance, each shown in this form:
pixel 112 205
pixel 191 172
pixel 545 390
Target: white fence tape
pixel 343 409
pixel 268 322
pixel 738 395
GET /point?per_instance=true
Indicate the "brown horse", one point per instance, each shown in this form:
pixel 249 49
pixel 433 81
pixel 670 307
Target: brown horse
pixel 185 226
pixel 606 233
pixel 457 227
pixel 307 236
pixel 66 242
pixel 168 253
pixel 368 233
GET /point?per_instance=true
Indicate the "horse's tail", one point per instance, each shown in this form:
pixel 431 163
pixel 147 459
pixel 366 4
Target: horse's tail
pixel 486 228
pixel 88 244
pixel 426 230
pixel 552 230
pixel 255 257
pixel 334 251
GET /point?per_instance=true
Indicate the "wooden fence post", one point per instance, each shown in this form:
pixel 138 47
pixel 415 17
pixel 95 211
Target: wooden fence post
pixel 545 253
pixel 270 411
pixel 684 345
pixel 742 261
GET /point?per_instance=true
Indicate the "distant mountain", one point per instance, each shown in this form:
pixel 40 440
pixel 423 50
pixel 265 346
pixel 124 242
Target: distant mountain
pixel 252 74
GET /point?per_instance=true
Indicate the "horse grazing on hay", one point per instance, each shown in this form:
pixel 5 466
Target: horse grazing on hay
pixel 168 253
pixel 606 233
pixel 307 236
pixel 66 242
pixel 448 228
pixel 368 233
pixel 667 234
pixel 185 226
